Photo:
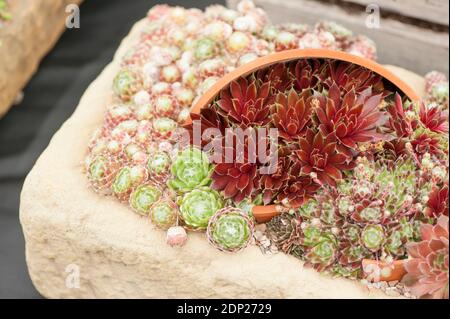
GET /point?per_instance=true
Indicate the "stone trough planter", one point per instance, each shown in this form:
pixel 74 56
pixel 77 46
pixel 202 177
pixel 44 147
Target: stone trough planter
pixel 82 245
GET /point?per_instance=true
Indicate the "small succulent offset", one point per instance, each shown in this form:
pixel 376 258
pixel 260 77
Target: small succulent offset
pixel 143 197
pixel 163 128
pixel 102 171
pixel 127 83
pixel 427 267
pixel 158 166
pixel 176 236
pixel 437 88
pixel 164 213
pixel 230 229
pixel 127 179
pixel 191 169
pixel 198 206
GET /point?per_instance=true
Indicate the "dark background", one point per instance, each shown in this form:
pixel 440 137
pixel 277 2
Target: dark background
pixel 50 98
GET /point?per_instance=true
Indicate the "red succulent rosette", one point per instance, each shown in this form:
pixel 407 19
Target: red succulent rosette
pixel 278 76
pixel 437 204
pixel 306 74
pixel 245 103
pixel 354 118
pixel 398 120
pixel 433 118
pixel 237 173
pixel 350 77
pixel 427 268
pixel 318 156
pixel 270 185
pixel 291 113
pixel 207 119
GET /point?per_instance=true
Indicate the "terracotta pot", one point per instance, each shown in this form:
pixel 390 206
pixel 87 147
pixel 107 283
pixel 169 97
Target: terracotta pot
pixel 264 214
pixel 261 213
pixel 375 271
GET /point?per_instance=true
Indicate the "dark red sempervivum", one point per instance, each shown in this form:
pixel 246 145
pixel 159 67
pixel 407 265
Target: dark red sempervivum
pixel 278 76
pixel 318 156
pixel 433 118
pixel 437 204
pixel 246 102
pixel 271 184
pixel 208 118
pixel 298 188
pixel 354 117
pixel 291 114
pixel 350 77
pixel 238 175
pixel 398 121
pixel 306 74
pixel 426 143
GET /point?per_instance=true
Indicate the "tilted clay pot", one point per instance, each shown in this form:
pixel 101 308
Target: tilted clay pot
pixel 265 213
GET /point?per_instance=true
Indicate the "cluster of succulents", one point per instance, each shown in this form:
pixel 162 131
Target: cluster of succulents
pixel 387 208
pixel 371 214
pixel 135 156
pixel 419 128
pixel 437 88
pixel 323 111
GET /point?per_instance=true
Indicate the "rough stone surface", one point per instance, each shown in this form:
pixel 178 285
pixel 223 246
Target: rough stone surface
pixel 34 29
pixel 120 254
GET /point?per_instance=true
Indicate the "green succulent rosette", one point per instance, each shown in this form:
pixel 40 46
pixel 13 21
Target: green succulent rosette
pixel 164 214
pixel 190 170
pixel 198 206
pixel 143 197
pixel 128 178
pixel 205 49
pixel 123 181
pixel 164 126
pixel 159 163
pixel 324 253
pixel 230 229
pixel 101 172
pixel 98 169
pixel 373 237
pixel 123 82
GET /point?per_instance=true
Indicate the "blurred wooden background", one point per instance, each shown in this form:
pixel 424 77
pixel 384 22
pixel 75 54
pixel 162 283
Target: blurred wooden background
pixel 412 34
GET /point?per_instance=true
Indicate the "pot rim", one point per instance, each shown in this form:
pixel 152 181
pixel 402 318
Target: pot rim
pixel 289 55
